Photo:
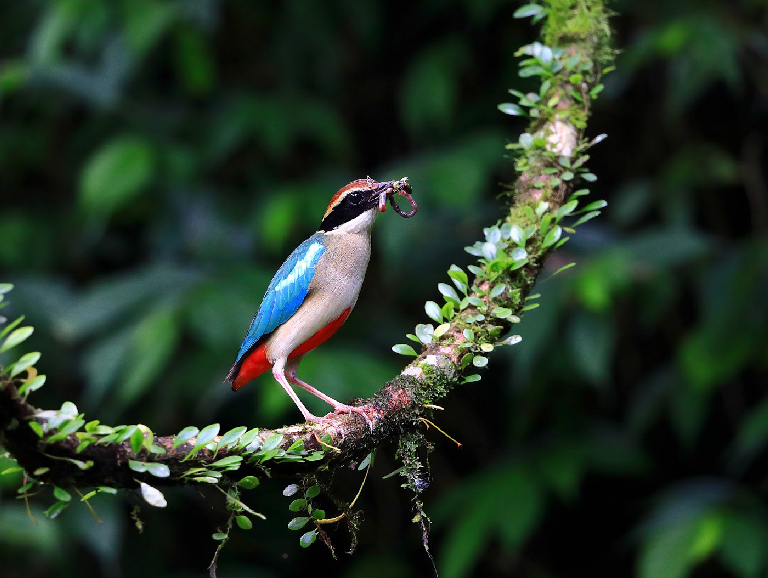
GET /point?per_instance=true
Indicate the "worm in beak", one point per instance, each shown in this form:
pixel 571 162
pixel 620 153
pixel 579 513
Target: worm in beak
pixel 401 187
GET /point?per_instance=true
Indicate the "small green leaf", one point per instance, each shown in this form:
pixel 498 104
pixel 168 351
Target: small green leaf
pixel 231 437
pixel 296 447
pixel 290 490
pixel 68 408
pixel 61 494
pixel 528 10
pixel 318 514
pixel 37 428
pixel 511 109
pixel 219 536
pixel 546 220
pixel 153 496
pixel 476 301
pixel 137 440
pixel 55 509
pixel 248 482
pixel 486 347
pixel 501 312
pixel 492 234
pixel 27 360
pixel 313 491
pixel 552 237
pixel 137 466
pixel 206 435
pixel 471 378
pixel 272 443
pixel 516 235
pixel 590 177
pixel 424 333
pixel 307 539
pixel 247 438
pixel 586 217
pixel 512 340
pixel 440 330
pixel 244 522
pixel 433 311
pixel 7 329
pixel 33 385
pixel 5 287
pixel 404 349
pixel 16 337
pixel 519 254
pixel 121 434
pixel 449 292
pixel 593 206
pixel 298 505
pixel 475 270
pixel 298 523
pixel 489 251
pixel 457 273
pixel 561 269
pixel 184 436
pixel 367 461
pixel 567 209
pixel 479 361
pixel 498 290
pixel 228 461
pixel 205 479
pixel 158 470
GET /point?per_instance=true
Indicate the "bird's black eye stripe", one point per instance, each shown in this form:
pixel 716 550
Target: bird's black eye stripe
pixel 355 198
pixel 352 205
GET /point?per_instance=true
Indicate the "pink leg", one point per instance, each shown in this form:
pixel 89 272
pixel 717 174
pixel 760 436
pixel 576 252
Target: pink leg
pixel 290 373
pixel 278 371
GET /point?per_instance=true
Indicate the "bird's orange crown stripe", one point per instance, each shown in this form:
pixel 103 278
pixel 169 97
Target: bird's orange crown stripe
pixel 358 185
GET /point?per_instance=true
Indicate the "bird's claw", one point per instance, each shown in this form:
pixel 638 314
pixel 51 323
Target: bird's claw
pixel 360 410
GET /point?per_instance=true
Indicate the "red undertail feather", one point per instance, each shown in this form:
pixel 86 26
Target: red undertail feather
pixel 256 362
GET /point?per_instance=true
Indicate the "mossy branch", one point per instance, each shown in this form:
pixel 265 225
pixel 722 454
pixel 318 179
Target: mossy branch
pixel 550 160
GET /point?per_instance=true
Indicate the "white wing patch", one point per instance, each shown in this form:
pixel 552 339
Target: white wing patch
pixel 301 266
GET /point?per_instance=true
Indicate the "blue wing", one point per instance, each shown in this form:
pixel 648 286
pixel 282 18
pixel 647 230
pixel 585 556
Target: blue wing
pixel 286 291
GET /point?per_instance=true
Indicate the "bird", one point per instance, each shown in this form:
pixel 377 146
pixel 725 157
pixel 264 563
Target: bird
pixel 314 291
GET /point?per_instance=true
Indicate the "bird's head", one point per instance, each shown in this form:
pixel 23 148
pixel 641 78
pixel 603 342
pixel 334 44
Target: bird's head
pixel 354 206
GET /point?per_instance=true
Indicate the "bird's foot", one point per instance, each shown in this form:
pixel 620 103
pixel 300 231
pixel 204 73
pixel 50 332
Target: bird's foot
pixel 324 420
pixel 360 410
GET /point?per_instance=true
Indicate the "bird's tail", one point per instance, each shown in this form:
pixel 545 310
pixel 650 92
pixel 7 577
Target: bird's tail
pixel 248 367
